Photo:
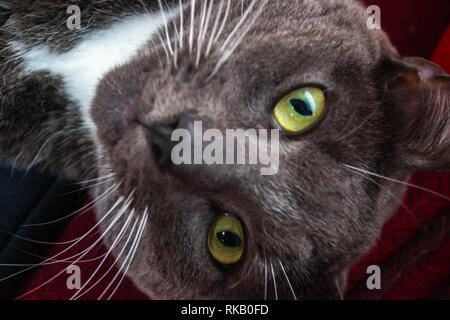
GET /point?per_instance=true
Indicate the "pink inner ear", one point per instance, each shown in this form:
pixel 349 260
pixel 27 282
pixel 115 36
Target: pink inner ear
pixel 426 68
pixel 426 73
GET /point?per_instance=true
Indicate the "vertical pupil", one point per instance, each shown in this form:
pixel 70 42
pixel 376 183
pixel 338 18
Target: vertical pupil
pixel 229 239
pixel 301 107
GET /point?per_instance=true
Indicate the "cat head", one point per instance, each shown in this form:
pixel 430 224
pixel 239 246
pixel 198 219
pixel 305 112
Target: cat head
pixel 227 231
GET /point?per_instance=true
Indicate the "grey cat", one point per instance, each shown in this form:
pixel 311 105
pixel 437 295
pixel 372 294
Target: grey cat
pixel 99 103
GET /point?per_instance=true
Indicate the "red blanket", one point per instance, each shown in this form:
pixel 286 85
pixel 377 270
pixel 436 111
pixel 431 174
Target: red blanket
pixel 413 252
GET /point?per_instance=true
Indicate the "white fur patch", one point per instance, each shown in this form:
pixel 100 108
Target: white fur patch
pixel 86 64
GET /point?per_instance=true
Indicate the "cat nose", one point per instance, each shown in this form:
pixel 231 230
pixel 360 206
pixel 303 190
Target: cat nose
pixel 159 136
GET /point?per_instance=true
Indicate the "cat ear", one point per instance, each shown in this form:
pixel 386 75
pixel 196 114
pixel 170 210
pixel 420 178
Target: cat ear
pixel 418 91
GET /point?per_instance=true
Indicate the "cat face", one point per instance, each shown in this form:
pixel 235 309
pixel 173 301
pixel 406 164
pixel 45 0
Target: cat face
pixel 298 230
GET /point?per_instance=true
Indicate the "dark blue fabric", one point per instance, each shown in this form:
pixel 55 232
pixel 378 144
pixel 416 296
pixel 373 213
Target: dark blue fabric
pixel 25 199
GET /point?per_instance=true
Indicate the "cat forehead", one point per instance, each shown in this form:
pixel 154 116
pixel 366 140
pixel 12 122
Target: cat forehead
pixel 317 20
pixel 280 36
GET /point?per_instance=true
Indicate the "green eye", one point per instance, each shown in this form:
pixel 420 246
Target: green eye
pixel 300 109
pixel 226 240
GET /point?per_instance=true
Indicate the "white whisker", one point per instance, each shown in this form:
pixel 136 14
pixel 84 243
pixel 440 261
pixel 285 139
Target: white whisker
pixel 238 25
pixel 115 261
pixel 274 282
pixel 116 218
pixel 202 25
pixel 110 175
pixel 397 181
pixel 245 274
pixel 90 186
pixel 265 279
pixel 113 245
pixel 88 206
pixel 175 58
pixel 68 248
pixel 130 256
pixel 227 54
pixel 166 27
pixel 287 279
pixel 50 262
pixel 214 29
pixel 164 47
pixel 191 34
pixel 224 21
pixel 181 24
pixel 35 159
pixel 399 200
pixel 359 126
pixel 204 29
